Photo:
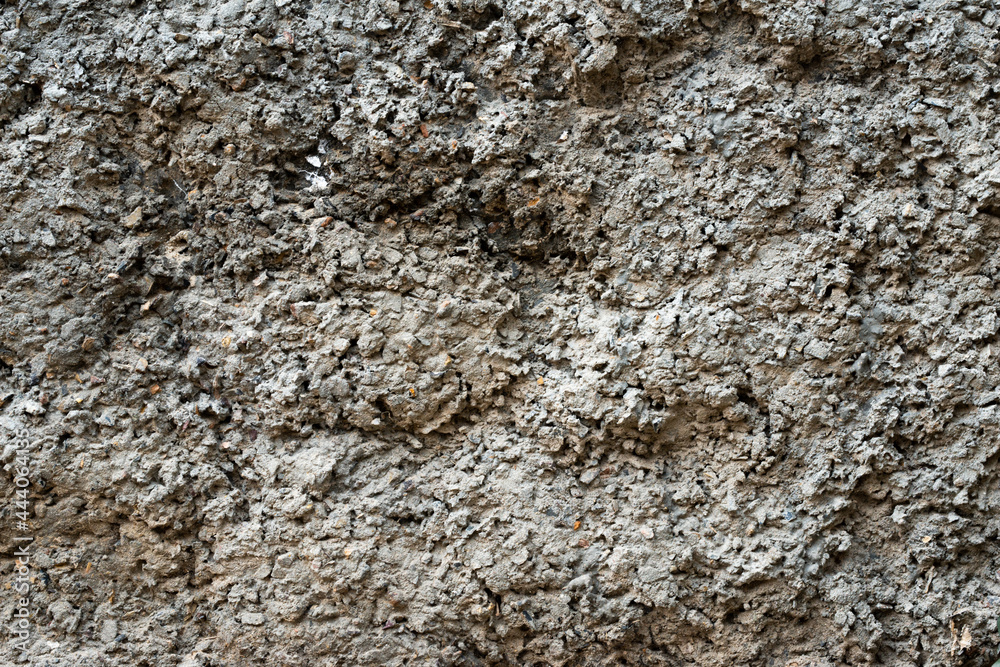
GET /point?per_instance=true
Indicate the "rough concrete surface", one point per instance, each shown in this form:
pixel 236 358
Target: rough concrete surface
pixel 501 332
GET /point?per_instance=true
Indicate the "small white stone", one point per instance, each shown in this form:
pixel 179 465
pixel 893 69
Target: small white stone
pixel 252 618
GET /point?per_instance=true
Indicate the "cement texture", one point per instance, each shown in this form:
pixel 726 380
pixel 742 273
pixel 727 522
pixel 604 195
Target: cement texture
pixel 501 332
